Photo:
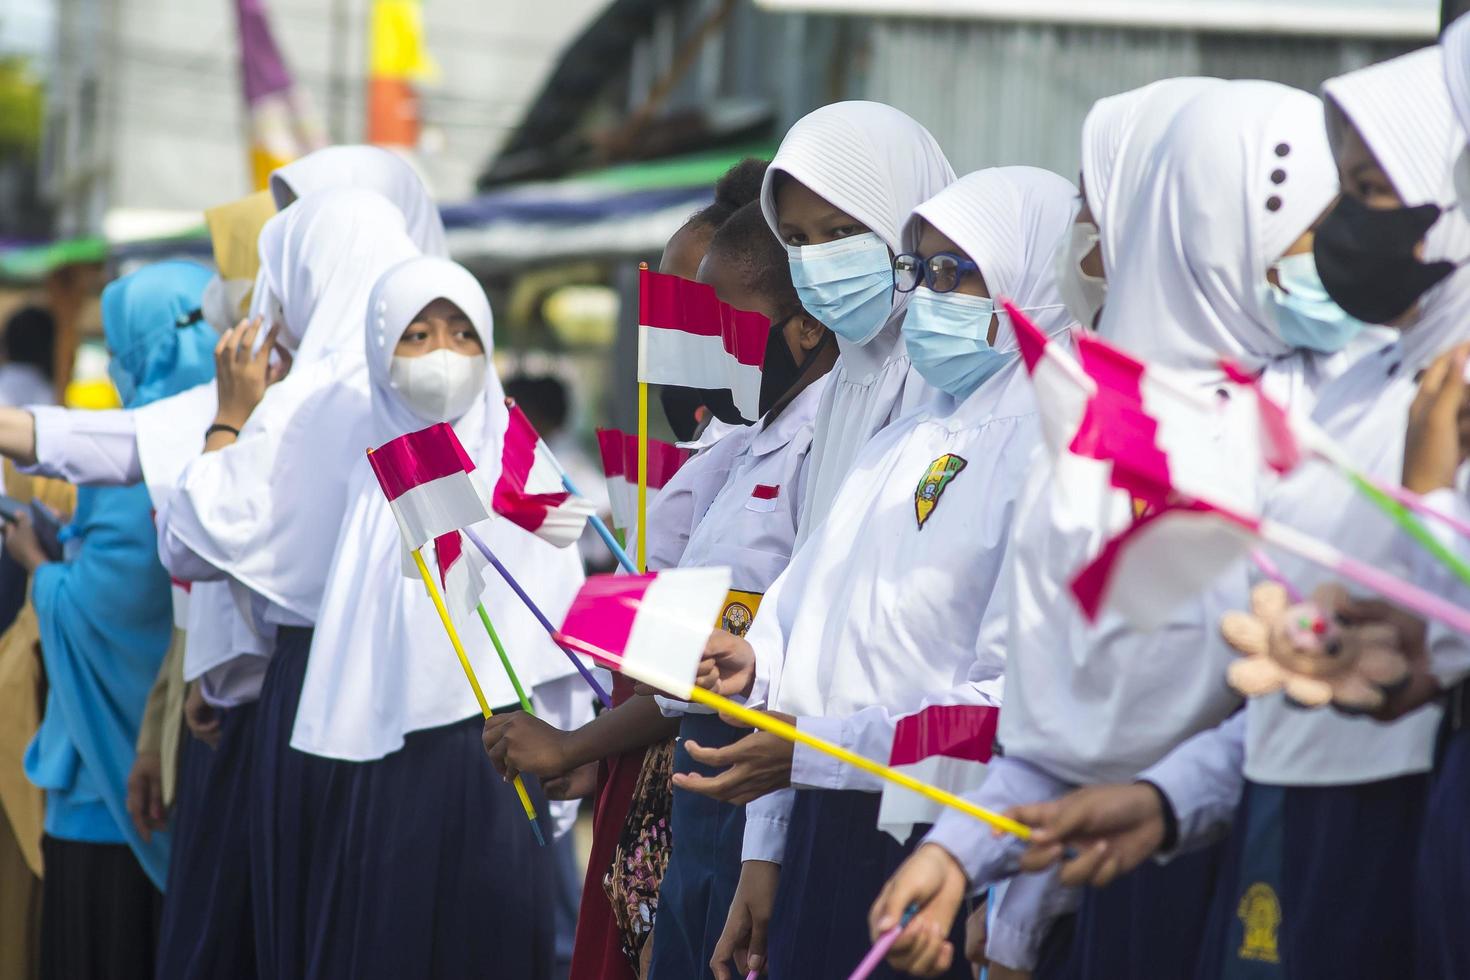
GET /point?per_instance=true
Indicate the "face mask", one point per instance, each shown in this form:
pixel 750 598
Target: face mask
pixel 1366 258
pixel 1305 314
pixel 846 284
pixel 122 381
pixel 441 385
pixel 1083 295
pixel 945 334
pixel 779 370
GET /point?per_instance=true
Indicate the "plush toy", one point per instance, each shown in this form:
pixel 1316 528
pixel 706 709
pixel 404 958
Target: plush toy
pixel 1299 649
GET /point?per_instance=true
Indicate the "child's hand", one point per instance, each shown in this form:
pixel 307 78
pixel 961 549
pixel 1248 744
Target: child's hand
pixel 517 742
pixel 1114 828
pixel 145 795
pixel 757 764
pixel 933 880
pixel 728 665
pixel 743 940
pixel 1439 424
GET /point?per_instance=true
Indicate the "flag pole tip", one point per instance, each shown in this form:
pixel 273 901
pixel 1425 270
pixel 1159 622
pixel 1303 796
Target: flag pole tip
pixel 536 829
pixel 642 266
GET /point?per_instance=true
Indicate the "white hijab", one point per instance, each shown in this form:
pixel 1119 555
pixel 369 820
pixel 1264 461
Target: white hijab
pixel 868 160
pixel 369 168
pixel 1119 138
pixel 1008 220
pixel 1402 109
pixel 264 510
pixel 381 665
pixel 1242 172
pixel 876 164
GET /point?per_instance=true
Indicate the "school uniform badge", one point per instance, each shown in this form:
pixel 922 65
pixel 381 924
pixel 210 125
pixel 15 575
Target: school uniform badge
pixel 739 610
pixel 1259 912
pixel 931 487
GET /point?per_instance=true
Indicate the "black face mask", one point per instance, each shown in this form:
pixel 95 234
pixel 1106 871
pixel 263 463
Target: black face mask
pixel 779 370
pixel 682 405
pixel 1365 258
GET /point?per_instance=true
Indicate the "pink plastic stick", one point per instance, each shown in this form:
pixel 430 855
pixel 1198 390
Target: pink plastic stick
pixel 1268 568
pixel 1416 503
pixel 875 955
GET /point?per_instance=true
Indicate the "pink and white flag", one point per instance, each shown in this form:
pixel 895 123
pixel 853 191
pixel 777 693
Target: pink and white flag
pixel 426 477
pixel 461 576
pixel 944 745
pixel 530 492
pixel 651 627
pixel 1139 440
pixel 686 336
pixel 619 451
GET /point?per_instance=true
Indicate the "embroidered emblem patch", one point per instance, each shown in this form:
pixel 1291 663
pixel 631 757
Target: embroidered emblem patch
pixel 1260 912
pixel 739 610
pixel 931 487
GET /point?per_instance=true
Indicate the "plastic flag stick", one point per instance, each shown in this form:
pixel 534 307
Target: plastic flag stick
pixel 779 728
pixel 540 617
pixel 883 945
pixel 469 672
pixel 510 671
pixel 597 523
pixel 642 476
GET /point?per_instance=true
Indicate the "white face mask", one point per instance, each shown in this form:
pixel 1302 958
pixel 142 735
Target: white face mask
pixel 441 385
pixel 1083 294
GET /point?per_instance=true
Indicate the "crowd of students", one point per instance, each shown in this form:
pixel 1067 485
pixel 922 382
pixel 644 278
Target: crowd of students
pixel 259 759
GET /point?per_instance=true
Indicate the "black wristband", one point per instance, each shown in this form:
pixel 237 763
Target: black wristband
pixel 1171 819
pixel 221 427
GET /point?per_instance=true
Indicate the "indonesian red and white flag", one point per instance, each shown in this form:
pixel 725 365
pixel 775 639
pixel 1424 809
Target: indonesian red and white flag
pixel 944 745
pixel 461 576
pixel 1186 460
pixel 426 477
pixel 530 492
pixel 619 452
pixel 651 627
pixel 686 336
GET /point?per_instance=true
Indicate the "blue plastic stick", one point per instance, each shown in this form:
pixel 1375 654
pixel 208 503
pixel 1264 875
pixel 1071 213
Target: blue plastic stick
pixel 601 528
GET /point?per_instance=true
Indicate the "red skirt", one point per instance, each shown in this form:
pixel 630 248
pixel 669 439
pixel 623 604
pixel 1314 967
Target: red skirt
pixel 598 952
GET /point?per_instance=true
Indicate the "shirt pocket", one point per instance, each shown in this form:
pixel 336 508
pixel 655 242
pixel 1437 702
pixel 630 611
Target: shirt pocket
pixel 763 498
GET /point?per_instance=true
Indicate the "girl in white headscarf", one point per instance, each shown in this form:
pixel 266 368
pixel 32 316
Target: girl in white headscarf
pixel 383 689
pixel 1119 135
pixel 917 616
pixel 1239 178
pixel 842 184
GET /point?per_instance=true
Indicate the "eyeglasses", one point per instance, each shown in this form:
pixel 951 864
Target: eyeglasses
pixel 942 272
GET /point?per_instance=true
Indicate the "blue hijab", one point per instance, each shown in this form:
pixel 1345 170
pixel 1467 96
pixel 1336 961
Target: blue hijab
pixel 105 613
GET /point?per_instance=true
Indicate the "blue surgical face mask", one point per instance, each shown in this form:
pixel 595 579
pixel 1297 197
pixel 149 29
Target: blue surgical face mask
pixel 1305 315
pixel 946 338
pixel 122 381
pixel 846 284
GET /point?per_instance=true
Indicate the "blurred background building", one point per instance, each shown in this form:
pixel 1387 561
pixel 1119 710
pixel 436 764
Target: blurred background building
pixel 568 138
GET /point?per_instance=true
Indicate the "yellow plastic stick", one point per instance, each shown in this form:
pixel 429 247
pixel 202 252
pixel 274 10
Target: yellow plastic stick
pixel 643 476
pixel 768 723
pixel 469 671
pixel 779 728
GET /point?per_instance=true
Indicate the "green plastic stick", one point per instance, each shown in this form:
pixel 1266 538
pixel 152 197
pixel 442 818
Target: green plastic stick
pixel 505 661
pixel 1411 524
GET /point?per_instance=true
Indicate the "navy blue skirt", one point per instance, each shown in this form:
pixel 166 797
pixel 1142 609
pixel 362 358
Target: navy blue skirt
pixel 1146 924
pixel 836 863
pixel 704 866
pixel 208 924
pixel 1317 882
pixel 1442 874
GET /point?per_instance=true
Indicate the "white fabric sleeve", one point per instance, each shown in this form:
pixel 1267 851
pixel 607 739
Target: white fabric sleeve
pixel 986 857
pixel 182 562
pixel 88 448
pixel 1449 650
pixel 870 732
pixel 766 822
pixel 1024 908
pixel 1202 778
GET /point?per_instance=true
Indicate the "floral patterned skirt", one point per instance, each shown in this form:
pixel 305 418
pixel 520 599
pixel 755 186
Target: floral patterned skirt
pixel 643 852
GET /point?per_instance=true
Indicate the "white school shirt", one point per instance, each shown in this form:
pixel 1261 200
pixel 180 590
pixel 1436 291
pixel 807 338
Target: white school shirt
pixel 676 508
pixel 750 526
pixel 223 650
pixel 1449 650
pixel 888 607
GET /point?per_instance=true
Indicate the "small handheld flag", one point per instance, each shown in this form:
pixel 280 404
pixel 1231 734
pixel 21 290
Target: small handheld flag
pixel 619 452
pixel 530 492
pixel 654 627
pixel 946 745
